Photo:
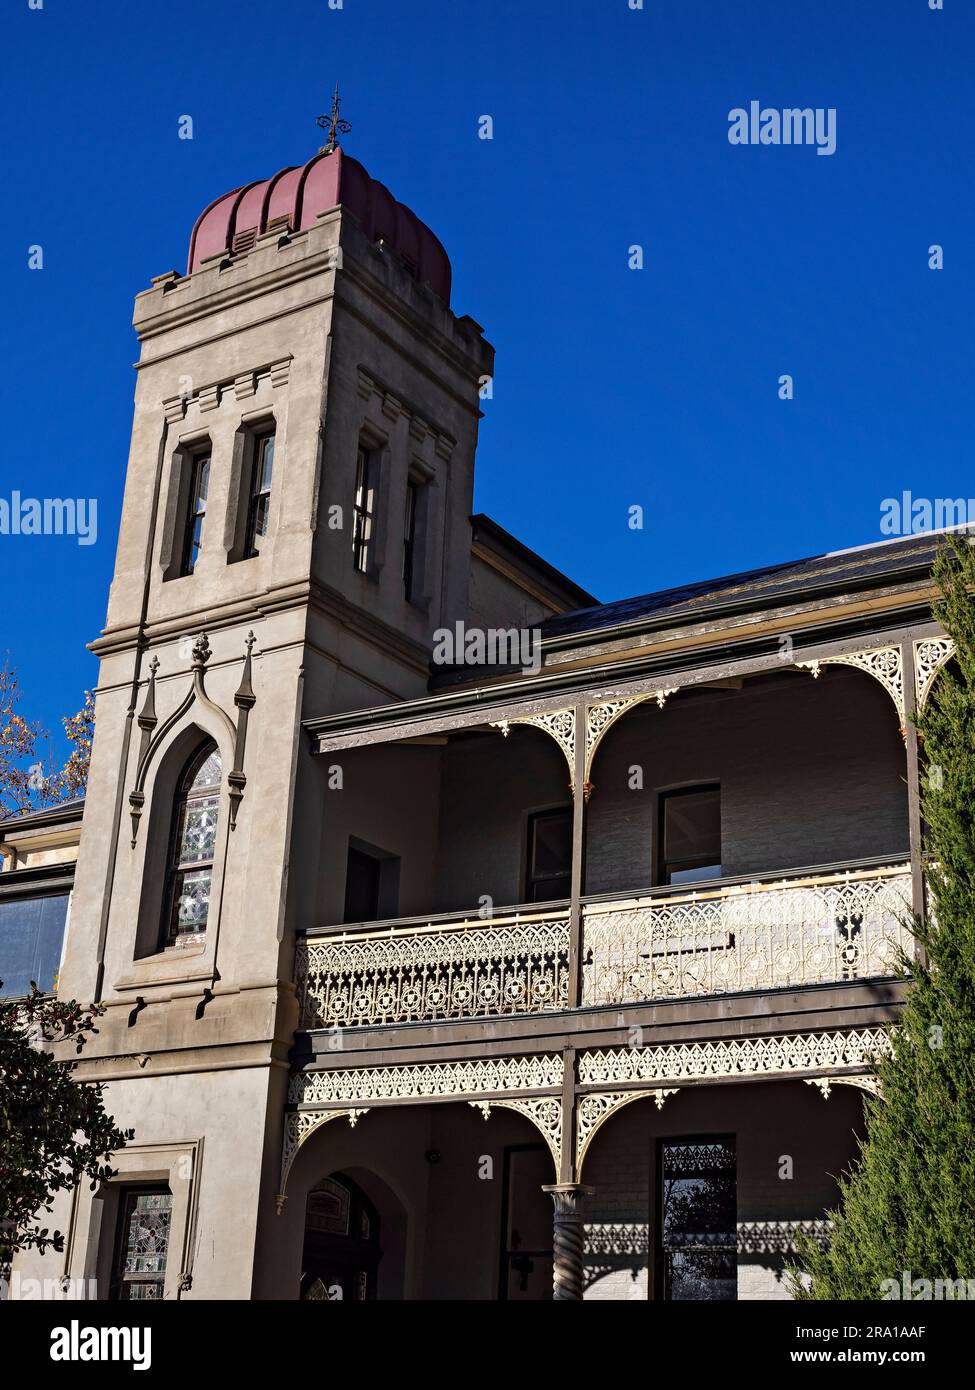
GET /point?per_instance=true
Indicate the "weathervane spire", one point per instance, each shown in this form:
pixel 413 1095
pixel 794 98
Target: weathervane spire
pixel 334 124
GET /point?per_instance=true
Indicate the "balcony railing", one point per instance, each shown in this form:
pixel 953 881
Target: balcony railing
pixel 818 927
pixel 448 969
pixel 809 930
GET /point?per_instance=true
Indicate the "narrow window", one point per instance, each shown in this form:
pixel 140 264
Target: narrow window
pixel 364 510
pixel 371 883
pixel 690 835
pixel 409 538
pixel 549 873
pixel 697 1254
pixel 193 843
pixel 142 1244
pixel 260 499
pixel 196 512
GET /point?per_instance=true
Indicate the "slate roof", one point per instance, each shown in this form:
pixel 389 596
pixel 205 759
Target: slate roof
pixel 838 571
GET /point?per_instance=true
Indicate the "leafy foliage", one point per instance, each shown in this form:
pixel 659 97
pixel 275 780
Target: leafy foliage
pixel 53 1129
pixel 910 1205
pixel 29 776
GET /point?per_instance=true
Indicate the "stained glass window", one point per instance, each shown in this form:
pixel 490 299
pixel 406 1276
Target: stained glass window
pixel 698 1220
pixel 194 843
pixel 145 1218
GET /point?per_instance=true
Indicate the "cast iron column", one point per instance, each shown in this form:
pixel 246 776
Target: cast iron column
pixel 567 1273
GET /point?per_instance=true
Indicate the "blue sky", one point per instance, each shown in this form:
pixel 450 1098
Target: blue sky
pixel 614 387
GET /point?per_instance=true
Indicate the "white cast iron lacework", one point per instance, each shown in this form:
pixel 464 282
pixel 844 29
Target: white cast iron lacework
pixel 594 1109
pixel 883 663
pixel 545 1113
pixel 864 1082
pixel 297 1127
pixel 601 717
pixel 428 1081
pixel 753 936
pixel 930 654
pixel 740 1057
pixel 509 966
pixel 559 724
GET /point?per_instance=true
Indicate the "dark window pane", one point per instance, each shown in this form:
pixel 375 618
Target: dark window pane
pixel 409 538
pixel 31 935
pixel 691 835
pixel 362 887
pixel 698 1220
pixel 549 855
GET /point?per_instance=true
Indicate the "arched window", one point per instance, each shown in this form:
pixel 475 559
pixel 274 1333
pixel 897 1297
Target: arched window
pixel 194 837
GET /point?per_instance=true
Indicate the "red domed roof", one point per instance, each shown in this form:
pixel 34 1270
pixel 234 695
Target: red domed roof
pixel 300 194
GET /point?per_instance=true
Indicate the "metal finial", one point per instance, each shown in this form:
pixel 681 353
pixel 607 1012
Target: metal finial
pixel 334 124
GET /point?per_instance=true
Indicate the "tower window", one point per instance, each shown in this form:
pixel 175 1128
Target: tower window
pixel 196 512
pixel 364 510
pixel 410 539
pixel 194 839
pixel 260 499
pixel 690 835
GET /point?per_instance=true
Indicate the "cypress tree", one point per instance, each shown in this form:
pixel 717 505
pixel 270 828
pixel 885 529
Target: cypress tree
pixel 909 1205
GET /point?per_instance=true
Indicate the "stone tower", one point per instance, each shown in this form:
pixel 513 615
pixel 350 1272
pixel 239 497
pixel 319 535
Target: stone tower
pixel 296 524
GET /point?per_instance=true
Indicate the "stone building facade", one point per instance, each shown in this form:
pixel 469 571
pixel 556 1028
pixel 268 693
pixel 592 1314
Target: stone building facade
pixel 431 980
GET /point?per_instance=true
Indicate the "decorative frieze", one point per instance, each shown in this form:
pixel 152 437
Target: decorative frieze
pixel 733 1059
pixel 427 1081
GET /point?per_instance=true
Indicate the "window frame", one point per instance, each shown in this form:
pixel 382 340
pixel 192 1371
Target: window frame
pixel 412 550
pixel 660 1282
pixel 532 879
pixel 665 866
pixel 170 936
pixel 197 460
pixel 117 1279
pixel 257 492
pixel 365 516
